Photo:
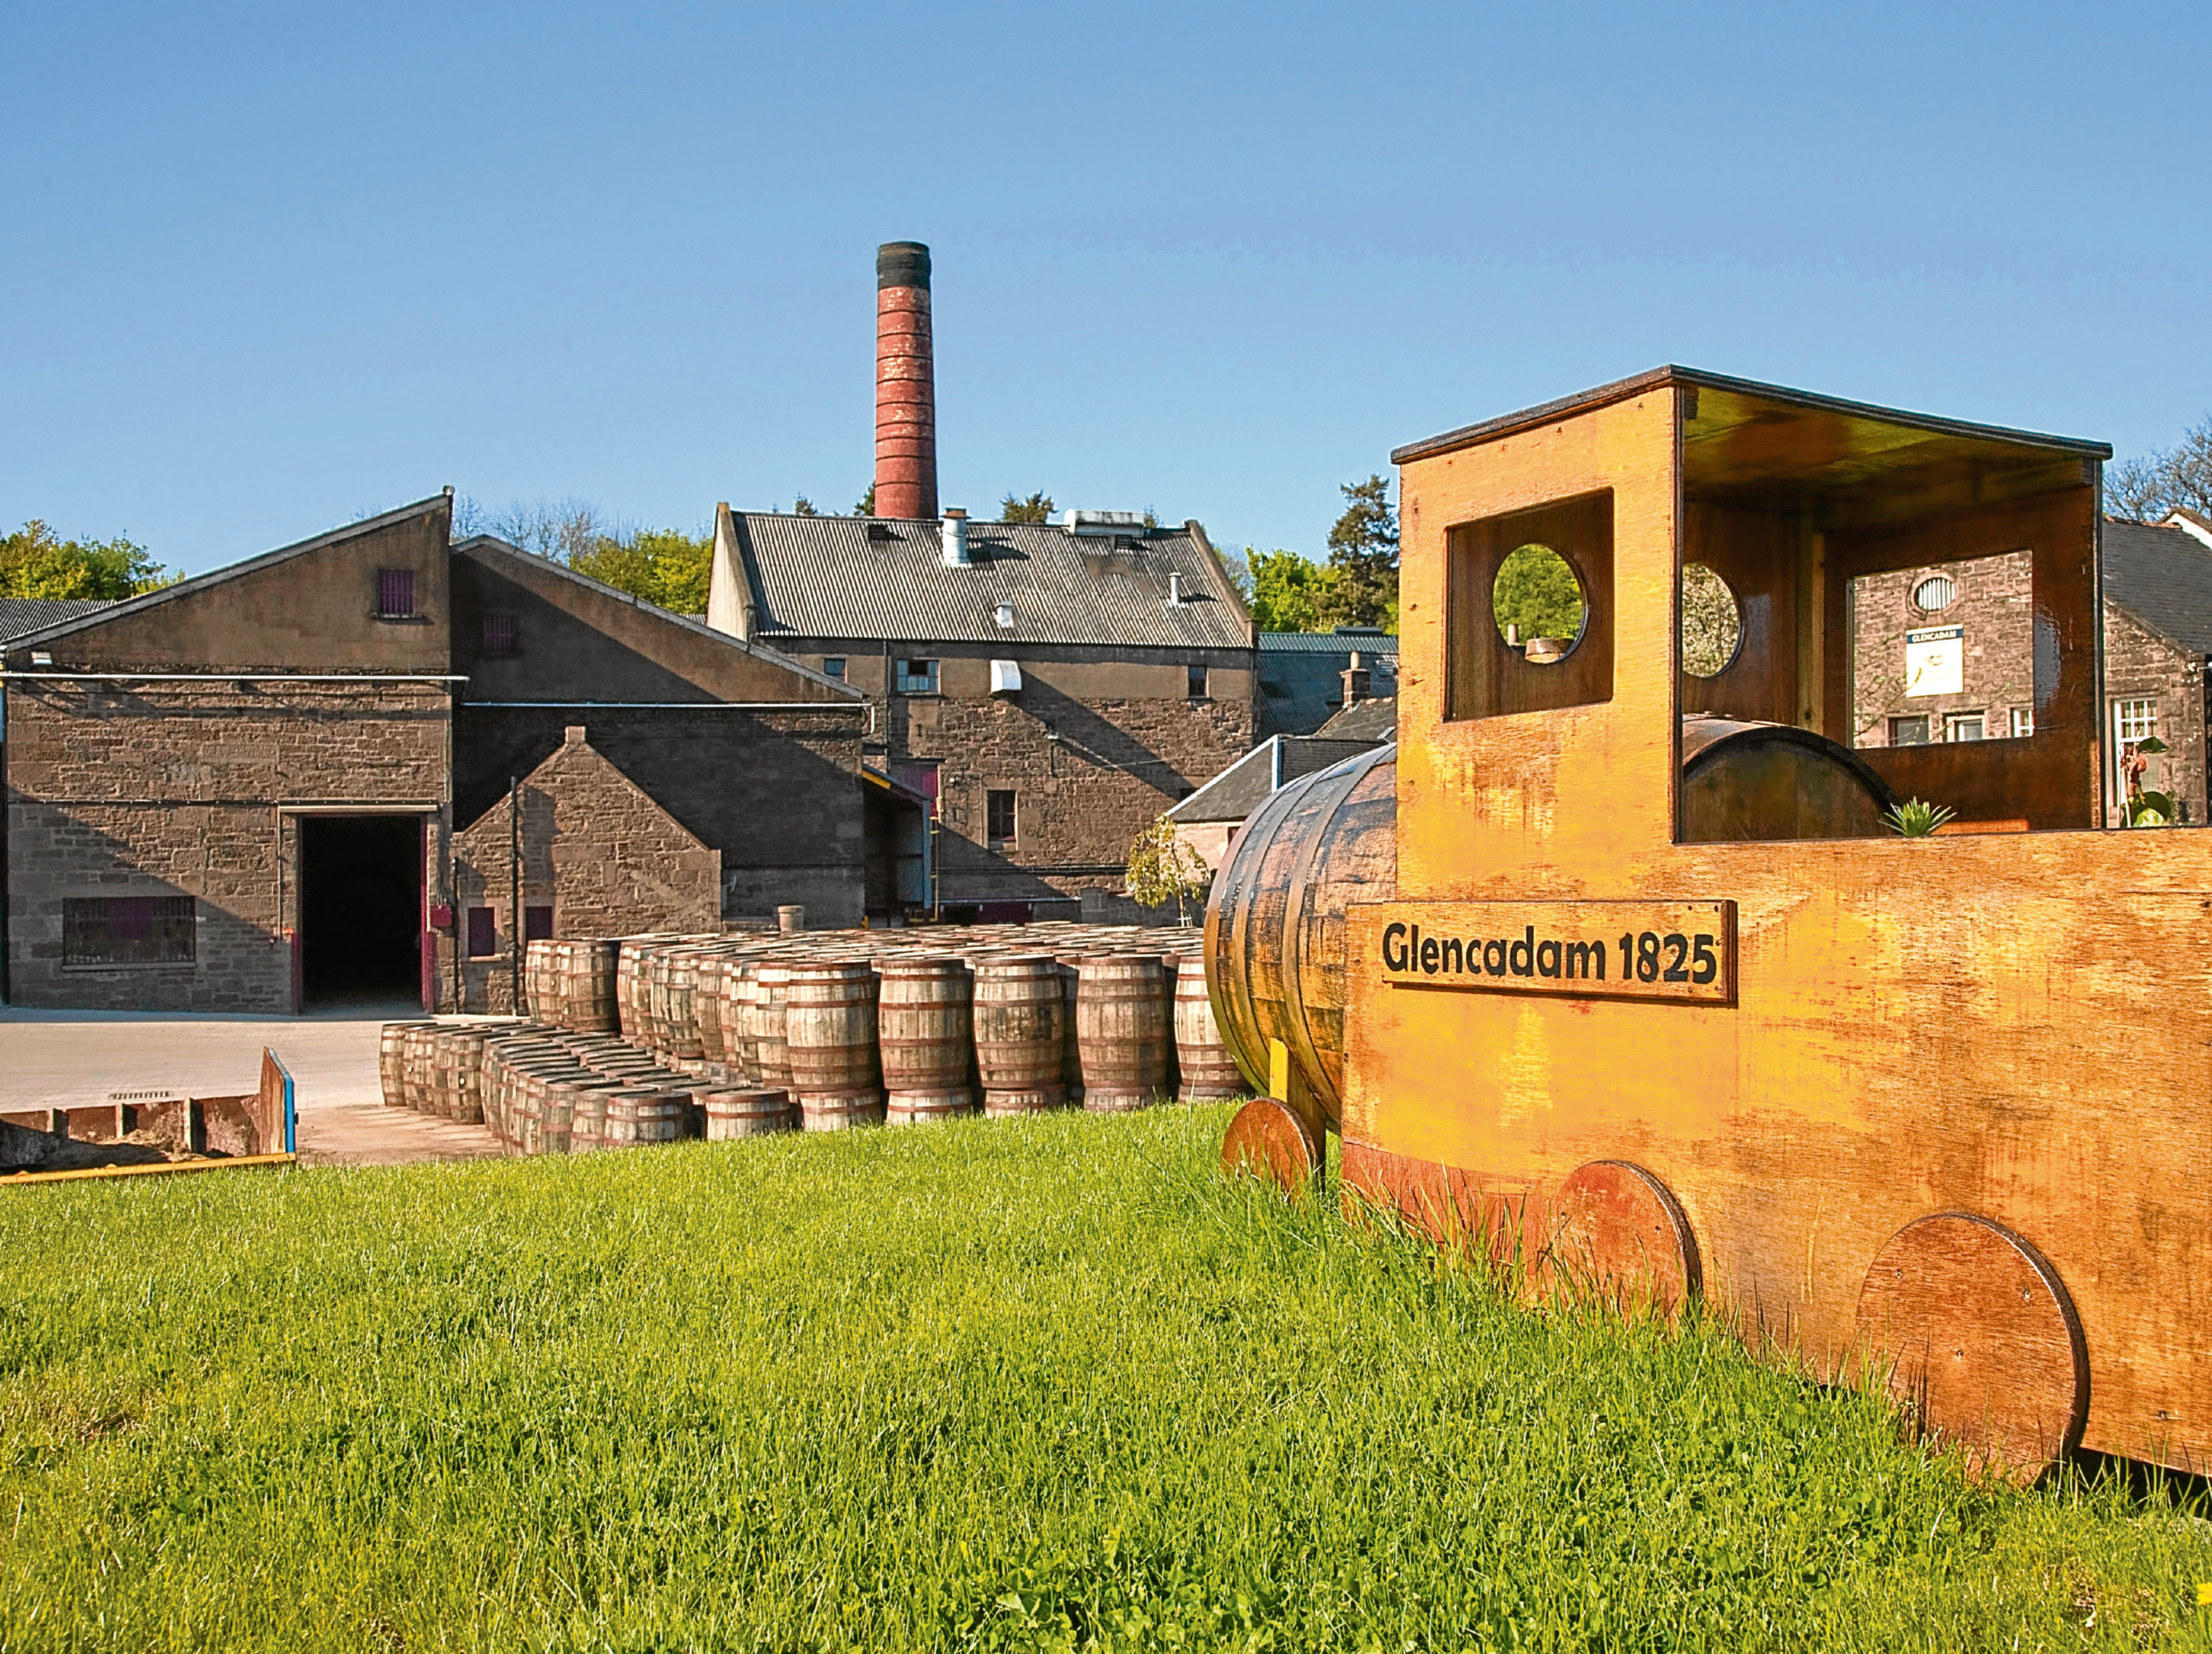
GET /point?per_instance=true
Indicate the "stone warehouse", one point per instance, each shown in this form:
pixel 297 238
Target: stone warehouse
pixel 370 764
pixel 1053 687
pixel 1946 652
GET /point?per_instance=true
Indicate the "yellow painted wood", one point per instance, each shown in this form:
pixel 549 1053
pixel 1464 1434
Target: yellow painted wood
pixel 2015 1024
pixel 232 1163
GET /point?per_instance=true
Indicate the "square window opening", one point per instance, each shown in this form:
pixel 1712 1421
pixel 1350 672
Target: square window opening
pixel 129 930
pixel 484 932
pixel 833 666
pixel 1530 610
pixel 916 677
pixel 998 819
pixel 537 925
pixel 395 594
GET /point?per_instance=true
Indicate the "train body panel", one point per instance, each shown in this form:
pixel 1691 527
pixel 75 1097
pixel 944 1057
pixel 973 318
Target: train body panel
pixel 1948 1098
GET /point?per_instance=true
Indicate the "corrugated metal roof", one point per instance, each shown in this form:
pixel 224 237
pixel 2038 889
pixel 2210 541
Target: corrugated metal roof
pixel 2162 576
pixel 21 615
pixel 854 577
pixel 1328 642
pixel 1374 719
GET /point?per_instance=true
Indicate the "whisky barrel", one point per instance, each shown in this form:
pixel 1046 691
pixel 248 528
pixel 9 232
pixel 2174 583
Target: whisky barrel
pixel 1071 1049
pixel 587 987
pixel 772 1049
pixel 749 1112
pixel 1123 1027
pixel 419 1060
pixel 924 1034
pixel 829 1037
pixel 1207 1069
pixel 391 1060
pixel 541 979
pixel 587 1121
pixel 740 1026
pixel 646 1114
pixel 1020 1033
pixel 1274 924
pixel 1743 781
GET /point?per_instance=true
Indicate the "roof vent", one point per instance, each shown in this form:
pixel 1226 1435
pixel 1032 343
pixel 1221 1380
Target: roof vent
pixel 1003 614
pixel 1006 677
pixel 952 534
pixel 1175 589
pixel 1106 522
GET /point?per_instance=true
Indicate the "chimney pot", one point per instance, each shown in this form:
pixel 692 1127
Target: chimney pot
pixel 906 385
pixel 952 539
pixel 572 735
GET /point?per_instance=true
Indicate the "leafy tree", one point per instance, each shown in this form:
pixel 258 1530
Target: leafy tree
pixel 865 504
pixel 802 506
pixel 1363 554
pixel 36 563
pixel 1537 594
pixel 1037 508
pixel 662 565
pixel 2148 488
pixel 1288 591
pixel 1164 868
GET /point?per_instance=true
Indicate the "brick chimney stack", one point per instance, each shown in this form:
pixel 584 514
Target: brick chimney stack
pixel 906 384
pixel 1358 682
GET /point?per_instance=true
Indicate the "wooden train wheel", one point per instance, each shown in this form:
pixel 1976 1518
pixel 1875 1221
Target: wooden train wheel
pixel 1267 1139
pixel 1616 1227
pixel 1987 1350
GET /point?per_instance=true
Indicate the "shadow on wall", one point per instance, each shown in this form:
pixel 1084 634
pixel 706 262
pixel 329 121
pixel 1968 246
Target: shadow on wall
pixel 786 819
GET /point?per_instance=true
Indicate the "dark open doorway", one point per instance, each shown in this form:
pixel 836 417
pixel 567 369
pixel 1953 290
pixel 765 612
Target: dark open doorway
pixel 361 909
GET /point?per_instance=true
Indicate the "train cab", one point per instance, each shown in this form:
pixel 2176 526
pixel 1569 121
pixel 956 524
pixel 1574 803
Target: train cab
pixel 1621 957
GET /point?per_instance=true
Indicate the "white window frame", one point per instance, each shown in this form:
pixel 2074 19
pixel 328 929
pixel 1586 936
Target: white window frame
pixel 2023 723
pixel 1952 720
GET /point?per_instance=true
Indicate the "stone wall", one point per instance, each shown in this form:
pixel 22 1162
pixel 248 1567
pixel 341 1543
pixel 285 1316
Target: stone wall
pixel 1993 603
pixel 192 790
pixel 2140 665
pixel 1095 744
pixel 595 849
pixel 777 793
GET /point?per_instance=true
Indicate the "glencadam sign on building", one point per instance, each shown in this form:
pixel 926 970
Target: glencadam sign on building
pixel 1585 949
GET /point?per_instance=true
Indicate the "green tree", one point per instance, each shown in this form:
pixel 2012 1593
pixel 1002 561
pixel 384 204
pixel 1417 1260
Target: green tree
pixel 1536 593
pixel 865 504
pixel 1362 555
pixel 1164 868
pixel 803 507
pixel 661 566
pixel 1288 591
pixel 1037 508
pixel 36 563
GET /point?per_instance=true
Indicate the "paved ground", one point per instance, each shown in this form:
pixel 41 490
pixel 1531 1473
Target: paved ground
pixel 60 1059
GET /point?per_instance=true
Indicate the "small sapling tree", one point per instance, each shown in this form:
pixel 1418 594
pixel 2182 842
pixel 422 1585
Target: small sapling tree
pixel 1162 868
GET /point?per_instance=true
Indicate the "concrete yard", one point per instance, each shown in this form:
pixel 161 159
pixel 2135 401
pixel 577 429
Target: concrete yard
pixel 61 1058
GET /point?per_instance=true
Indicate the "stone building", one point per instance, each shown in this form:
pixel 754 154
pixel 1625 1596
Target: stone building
pixel 1051 687
pixel 1946 652
pixel 289 780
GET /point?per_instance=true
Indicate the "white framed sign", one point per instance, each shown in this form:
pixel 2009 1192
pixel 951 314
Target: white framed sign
pixel 1935 661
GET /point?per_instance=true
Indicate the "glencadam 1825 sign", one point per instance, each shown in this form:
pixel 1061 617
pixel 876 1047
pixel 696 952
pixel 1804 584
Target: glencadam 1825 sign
pixel 1582 949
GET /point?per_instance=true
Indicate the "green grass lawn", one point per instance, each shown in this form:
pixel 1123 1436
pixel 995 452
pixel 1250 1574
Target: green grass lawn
pixel 996 1385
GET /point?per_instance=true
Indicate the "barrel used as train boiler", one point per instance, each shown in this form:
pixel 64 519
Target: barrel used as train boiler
pixel 1275 947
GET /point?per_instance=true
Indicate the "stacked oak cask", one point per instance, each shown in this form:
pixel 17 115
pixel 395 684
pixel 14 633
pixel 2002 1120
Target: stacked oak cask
pixel 653 1038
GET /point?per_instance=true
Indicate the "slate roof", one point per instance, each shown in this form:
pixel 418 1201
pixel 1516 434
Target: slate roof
pixel 1301 681
pixel 1244 785
pixel 882 577
pixel 2162 576
pixel 20 616
pixel 1374 720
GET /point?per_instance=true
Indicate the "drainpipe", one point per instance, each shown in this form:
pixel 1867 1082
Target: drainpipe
pixel 514 873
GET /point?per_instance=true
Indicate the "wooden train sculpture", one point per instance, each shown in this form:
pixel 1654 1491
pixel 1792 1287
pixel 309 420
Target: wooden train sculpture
pixel 1622 961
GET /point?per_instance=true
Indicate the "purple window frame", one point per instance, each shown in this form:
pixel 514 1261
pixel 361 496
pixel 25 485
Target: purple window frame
pixel 395 594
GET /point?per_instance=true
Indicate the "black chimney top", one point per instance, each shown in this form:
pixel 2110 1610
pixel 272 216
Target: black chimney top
pixel 902 265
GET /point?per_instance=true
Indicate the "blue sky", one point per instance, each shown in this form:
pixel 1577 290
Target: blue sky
pixel 270 270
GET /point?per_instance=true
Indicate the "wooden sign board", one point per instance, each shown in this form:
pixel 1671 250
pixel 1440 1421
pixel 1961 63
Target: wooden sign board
pixel 1682 950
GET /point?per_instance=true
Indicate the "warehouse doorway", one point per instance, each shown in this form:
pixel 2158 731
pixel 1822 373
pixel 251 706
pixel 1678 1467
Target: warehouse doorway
pixel 360 910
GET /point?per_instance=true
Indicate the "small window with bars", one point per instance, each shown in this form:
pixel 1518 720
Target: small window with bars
pixel 916 677
pixel 502 636
pixel 484 932
pixel 395 594
pixel 998 819
pixel 128 930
